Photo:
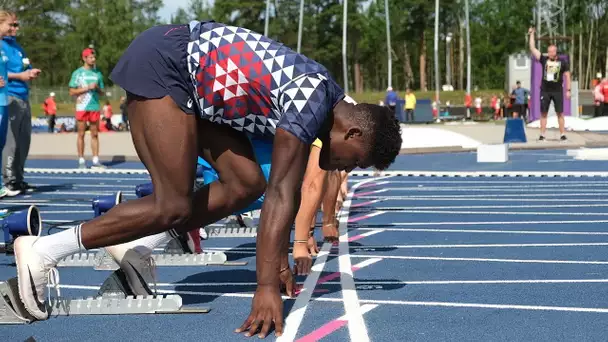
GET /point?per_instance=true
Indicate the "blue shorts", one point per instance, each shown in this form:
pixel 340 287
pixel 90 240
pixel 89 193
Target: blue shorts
pixel 154 66
pixel 263 154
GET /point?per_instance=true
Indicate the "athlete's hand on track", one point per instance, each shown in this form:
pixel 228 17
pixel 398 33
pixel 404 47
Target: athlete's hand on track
pixel 302 258
pixel 313 249
pixel 330 232
pixel 266 309
pixel 288 282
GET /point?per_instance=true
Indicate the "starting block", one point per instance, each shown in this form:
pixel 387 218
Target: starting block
pixel 229 231
pixel 171 256
pixel 143 190
pixel 20 223
pixel 111 300
pixel 104 203
pixel 515 131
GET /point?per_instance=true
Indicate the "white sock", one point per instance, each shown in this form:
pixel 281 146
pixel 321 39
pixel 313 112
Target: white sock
pixel 147 244
pixel 57 246
pixel 81 160
pixel 95 160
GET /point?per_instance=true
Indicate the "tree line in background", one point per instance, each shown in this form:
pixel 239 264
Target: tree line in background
pixel 54 32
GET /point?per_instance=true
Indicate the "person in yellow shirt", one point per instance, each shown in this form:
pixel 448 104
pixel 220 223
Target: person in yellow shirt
pixel 410 105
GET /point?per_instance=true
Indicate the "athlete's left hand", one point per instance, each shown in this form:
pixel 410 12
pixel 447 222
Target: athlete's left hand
pixel 266 309
pixel 288 282
pixel 568 94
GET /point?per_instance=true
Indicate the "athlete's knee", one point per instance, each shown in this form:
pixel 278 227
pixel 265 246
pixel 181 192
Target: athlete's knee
pixel 248 187
pixel 172 211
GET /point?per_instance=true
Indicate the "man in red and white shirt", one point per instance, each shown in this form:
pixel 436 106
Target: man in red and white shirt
pixel 50 110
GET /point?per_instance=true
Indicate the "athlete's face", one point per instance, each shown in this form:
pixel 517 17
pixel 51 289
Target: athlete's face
pixel 345 150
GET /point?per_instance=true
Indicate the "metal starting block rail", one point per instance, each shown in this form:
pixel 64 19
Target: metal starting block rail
pixel 228 231
pixel 102 261
pixel 112 302
pixel 173 255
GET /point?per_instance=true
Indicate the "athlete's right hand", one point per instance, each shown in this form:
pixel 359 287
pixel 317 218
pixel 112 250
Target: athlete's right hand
pixel 302 259
pixel 267 307
pixel 531 30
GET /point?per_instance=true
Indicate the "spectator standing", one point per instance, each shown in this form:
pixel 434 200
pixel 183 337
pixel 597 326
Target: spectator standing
pixel 603 97
pixel 107 114
pixel 519 96
pixel 123 110
pixel 50 111
pixel 5 27
pixel 551 89
pixel 87 85
pixel 19 134
pixel 478 105
pixel 391 98
pixel 410 105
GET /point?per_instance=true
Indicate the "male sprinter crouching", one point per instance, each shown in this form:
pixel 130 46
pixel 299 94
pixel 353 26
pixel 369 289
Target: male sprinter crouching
pixel 200 90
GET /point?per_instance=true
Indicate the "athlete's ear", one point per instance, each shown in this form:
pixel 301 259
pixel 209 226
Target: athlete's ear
pixel 353 132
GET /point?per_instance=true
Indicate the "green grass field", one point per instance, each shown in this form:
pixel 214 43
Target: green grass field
pixel 456 98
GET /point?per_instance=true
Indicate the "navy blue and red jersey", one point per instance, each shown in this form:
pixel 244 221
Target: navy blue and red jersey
pixel 256 85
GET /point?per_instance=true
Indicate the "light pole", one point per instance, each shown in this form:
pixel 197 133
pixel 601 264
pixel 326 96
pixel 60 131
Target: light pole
pixel 468 30
pixel 388 44
pixel 344 60
pixel 448 59
pixel 436 50
pixel 300 26
pixel 267 18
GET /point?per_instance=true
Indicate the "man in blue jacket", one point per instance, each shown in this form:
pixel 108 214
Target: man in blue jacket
pixel 18 139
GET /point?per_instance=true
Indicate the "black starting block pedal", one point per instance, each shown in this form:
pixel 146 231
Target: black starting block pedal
pixel 112 299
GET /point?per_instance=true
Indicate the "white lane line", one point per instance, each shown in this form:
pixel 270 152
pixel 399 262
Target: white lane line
pixel 553 182
pixel 518 261
pixel 474 199
pixel 381 302
pixel 407 257
pixel 479 231
pixel 354 315
pixel 475 223
pixel 503 245
pixel 57 212
pixel 413 282
pixel 536 213
pixel 46 204
pixel 512 206
pixel 491 189
pixel 78 178
pixel 562 197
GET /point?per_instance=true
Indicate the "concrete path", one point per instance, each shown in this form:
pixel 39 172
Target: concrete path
pixel 119 146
